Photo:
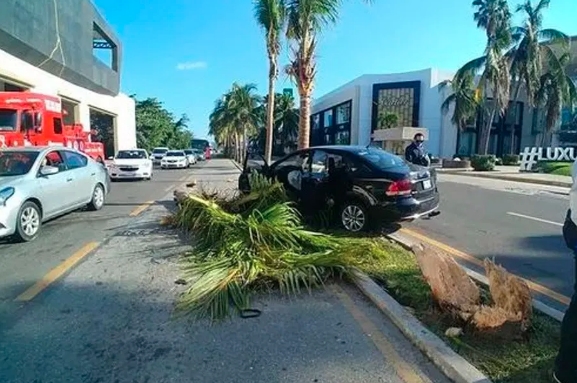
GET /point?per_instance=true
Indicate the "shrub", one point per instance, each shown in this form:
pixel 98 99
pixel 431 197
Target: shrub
pixel 485 162
pixel 554 167
pixel 511 159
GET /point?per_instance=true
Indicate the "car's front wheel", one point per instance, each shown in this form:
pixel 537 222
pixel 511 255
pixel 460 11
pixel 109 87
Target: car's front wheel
pixel 353 216
pixel 28 223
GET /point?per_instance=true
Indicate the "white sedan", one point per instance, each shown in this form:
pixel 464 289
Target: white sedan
pixel 131 164
pixel 174 159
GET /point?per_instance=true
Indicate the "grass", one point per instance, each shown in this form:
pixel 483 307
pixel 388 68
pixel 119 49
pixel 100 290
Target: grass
pixel 253 242
pixel 556 168
pixel 526 361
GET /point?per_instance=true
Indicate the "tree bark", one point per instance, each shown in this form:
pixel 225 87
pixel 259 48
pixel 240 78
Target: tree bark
pixel 486 136
pixel 270 111
pixel 304 120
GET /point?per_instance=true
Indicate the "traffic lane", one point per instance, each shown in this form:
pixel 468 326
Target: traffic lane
pixel 478 221
pixel 22 264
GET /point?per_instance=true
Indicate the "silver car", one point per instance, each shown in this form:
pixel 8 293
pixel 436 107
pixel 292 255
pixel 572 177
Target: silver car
pixel 41 183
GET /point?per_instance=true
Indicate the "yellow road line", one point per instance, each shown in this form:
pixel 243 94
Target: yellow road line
pixel 56 273
pixel 457 253
pixel 141 208
pixel 403 369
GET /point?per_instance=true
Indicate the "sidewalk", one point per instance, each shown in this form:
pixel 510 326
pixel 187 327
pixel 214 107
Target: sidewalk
pixel 110 321
pixel 511 173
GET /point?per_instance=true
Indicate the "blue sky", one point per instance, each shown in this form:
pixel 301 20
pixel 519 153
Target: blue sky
pixel 187 53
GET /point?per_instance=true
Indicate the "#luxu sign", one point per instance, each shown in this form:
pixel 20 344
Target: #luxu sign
pixel 531 155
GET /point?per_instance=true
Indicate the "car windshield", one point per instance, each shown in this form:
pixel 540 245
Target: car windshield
pixel 131 154
pixel 8 119
pixel 175 154
pixel 159 151
pixel 381 158
pixel 189 152
pixel 16 163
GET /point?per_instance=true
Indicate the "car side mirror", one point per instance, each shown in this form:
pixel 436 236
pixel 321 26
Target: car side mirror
pixel 48 170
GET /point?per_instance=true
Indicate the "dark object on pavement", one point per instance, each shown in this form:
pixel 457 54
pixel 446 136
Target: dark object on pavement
pixel 367 185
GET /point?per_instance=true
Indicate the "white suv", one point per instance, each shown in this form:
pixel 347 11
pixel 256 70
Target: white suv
pixel 158 154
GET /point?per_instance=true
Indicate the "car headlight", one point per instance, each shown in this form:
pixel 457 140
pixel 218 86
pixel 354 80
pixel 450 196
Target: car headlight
pixel 5 194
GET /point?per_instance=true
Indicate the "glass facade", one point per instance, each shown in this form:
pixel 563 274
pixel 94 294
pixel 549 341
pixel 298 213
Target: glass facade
pixel 399 102
pixel 332 126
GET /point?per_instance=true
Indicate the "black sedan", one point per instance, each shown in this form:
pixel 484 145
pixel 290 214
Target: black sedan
pixel 367 185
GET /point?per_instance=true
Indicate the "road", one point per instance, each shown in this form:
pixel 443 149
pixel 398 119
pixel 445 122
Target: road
pixel 111 320
pixel 22 265
pixel 517 224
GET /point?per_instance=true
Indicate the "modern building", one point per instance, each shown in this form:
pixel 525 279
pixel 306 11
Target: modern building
pixel 60 48
pixel 358 112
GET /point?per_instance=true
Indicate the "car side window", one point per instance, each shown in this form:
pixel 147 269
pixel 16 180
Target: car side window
pixel 319 163
pixel 296 160
pixel 74 160
pixel 54 159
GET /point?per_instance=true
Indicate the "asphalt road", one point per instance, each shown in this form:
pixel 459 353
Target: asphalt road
pixel 517 224
pixel 111 319
pixel 23 264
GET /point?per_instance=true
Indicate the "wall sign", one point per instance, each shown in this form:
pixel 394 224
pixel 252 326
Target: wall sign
pixel 531 155
pixel 401 99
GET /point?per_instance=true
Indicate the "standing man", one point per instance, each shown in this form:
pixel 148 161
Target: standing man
pixel 566 362
pixel 415 153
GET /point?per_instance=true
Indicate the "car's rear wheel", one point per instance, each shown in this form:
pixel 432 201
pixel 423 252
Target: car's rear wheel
pixel 28 222
pixel 97 201
pixel 354 217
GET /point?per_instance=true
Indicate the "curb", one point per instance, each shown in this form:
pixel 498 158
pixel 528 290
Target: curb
pixel 236 164
pixel 505 178
pixel 537 304
pixel 454 366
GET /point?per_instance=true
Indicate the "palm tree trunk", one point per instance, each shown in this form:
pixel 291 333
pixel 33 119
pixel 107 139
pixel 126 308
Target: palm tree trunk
pixel 513 147
pixel 270 111
pixel 486 133
pixel 304 120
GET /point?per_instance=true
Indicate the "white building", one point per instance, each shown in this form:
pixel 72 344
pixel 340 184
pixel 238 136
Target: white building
pixel 353 112
pixel 56 55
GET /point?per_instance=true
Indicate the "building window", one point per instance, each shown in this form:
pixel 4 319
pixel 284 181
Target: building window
pixel 316 121
pixel 398 102
pixel 344 113
pixel 57 126
pixel 328 118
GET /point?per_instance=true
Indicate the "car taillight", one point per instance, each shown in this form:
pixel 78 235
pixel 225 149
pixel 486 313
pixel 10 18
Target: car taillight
pixel 399 188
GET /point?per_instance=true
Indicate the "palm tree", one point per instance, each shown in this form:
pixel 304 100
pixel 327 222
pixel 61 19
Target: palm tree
pixel 306 19
pixel 556 90
pixel 270 15
pixel 532 44
pixel 287 120
pixel 494 17
pixel 236 116
pixel 463 99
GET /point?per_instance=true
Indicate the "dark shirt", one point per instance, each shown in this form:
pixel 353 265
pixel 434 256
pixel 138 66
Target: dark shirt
pixel 417 155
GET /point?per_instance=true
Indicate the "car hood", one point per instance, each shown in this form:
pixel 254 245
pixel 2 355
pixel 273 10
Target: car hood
pixel 129 161
pixel 174 158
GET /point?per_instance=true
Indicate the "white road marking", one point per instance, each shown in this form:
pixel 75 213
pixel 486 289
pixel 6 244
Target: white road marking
pixel 169 188
pixel 535 219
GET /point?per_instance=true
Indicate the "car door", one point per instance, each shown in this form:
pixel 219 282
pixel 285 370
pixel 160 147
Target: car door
pixel 81 176
pixel 314 184
pixel 290 171
pixel 56 191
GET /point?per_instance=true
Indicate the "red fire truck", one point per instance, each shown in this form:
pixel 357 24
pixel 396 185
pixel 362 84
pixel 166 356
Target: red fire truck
pixel 33 119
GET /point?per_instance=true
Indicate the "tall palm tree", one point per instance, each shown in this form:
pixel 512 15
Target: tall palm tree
pixel 270 15
pixel 236 116
pixel 287 120
pixel 556 90
pixel 306 19
pixel 494 17
pixel 463 99
pixel 532 45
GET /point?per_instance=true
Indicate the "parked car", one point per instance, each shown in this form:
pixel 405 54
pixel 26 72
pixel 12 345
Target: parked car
pixel 131 164
pixel 365 185
pixel 199 155
pixel 174 159
pixel 190 156
pixel 158 154
pixel 41 183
